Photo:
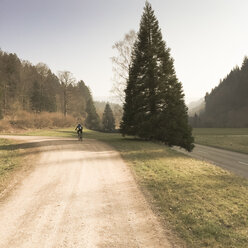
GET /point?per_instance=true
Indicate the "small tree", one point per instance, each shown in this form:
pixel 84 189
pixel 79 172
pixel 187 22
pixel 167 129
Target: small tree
pixel 121 64
pixel 108 120
pixel 92 120
pixel 66 80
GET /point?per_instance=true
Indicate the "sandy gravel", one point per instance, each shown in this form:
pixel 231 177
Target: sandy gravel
pixel 78 195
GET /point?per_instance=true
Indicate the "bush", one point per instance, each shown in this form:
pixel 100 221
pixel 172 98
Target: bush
pixel 4 125
pixel 26 120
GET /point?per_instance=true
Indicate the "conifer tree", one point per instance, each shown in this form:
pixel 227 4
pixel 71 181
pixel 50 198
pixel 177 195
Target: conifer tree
pixel 227 104
pixel 154 106
pixel 108 120
pixel 36 98
pixel 1 114
pixel 92 120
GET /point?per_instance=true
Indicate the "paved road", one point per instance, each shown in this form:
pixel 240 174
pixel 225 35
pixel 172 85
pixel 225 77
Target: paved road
pixel 78 195
pixel 232 161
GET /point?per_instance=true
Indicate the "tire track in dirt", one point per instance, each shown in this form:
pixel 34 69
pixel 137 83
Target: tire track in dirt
pixel 78 195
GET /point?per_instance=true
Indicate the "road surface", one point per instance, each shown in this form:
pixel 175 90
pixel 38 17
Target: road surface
pixel 232 161
pixel 79 195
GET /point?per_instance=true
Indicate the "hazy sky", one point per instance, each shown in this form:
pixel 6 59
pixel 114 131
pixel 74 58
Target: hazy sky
pixel 207 37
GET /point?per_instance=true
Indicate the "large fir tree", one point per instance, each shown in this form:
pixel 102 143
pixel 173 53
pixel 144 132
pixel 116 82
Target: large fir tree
pixel 108 120
pixel 154 106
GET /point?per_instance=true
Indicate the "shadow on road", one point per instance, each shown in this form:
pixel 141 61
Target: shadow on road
pixel 53 145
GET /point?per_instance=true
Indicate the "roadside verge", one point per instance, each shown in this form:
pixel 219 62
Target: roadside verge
pixel 15 164
pixel 204 204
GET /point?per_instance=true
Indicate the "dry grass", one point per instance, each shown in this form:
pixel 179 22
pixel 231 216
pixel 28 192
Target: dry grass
pixel 204 204
pixel 15 164
pixel 24 120
pixel 8 163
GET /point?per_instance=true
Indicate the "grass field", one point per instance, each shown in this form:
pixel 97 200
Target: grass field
pixel 205 205
pixel 9 163
pixel 233 139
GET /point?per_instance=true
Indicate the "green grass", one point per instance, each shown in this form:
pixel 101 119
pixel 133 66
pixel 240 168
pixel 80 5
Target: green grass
pixel 9 162
pixel 205 205
pixel 60 132
pixel 233 139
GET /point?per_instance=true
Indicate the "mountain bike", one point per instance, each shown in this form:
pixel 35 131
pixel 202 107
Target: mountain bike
pixel 80 136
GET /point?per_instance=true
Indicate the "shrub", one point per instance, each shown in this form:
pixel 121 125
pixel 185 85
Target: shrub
pixel 26 120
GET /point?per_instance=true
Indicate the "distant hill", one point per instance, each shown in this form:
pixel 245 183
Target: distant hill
pixel 196 107
pixel 227 104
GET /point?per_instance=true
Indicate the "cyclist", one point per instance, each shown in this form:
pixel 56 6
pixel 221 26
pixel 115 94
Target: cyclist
pixel 79 129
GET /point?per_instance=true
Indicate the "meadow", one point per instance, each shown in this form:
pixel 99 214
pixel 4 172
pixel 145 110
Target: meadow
pixel 233 139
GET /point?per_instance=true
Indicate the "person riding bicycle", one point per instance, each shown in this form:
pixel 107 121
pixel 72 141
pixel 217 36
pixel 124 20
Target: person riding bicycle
pixel 79 129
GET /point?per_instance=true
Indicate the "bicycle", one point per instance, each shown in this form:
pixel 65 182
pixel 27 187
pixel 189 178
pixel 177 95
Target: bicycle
pixel 80 136
pixel 79 129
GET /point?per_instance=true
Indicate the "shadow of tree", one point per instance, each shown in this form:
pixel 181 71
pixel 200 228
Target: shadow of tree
pixel 52 145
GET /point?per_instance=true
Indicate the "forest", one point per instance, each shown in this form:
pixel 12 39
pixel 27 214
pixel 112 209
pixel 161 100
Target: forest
pixel 227 104
pixel 29 91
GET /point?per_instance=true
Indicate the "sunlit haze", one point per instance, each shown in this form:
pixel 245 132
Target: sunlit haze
pixel 207 38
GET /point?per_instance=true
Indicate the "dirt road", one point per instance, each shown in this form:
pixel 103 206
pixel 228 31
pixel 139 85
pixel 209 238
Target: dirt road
pixel 78 195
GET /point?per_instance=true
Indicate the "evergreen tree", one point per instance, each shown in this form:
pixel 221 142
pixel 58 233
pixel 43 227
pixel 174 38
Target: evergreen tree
pixel 1 114
pixel 227 104
pixel 49 98
pixel 108 120
pixel 92 120
pixel 9 78
pixel 154 106
pixel 36 98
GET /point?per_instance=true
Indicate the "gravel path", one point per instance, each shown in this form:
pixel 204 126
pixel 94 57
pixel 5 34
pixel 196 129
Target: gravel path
pixel 78 195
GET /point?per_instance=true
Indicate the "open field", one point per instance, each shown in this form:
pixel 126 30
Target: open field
pixel 204 204
pixel 233 139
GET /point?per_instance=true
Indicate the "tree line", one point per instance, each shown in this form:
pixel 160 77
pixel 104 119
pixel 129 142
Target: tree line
pixel 227 104
pixel 34 88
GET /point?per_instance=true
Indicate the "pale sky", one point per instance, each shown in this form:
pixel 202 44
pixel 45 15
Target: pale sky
pixel 207 37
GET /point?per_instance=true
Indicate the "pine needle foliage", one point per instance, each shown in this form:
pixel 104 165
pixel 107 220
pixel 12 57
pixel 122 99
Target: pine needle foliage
pixel 108 120
pixel 92 120
pixel 154 107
